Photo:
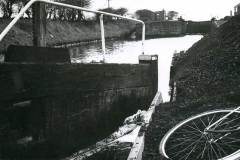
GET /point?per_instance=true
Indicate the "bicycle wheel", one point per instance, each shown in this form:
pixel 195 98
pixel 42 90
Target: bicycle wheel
pixel 188 140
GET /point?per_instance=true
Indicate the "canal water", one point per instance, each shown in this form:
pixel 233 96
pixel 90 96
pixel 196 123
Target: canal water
pixel 128 52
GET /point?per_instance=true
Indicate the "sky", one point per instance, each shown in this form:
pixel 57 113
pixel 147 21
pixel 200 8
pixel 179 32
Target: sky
pixel 188 9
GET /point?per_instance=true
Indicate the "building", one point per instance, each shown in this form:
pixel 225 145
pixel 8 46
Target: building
pixel 160 15
pixel 148 15
pixel 237 9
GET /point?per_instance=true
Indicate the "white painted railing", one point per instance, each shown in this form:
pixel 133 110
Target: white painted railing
pixel 29 4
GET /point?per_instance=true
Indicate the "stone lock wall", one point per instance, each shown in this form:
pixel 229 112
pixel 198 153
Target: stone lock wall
pixel 163 29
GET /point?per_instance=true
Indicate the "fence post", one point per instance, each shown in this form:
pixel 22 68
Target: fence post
pixel 102 36
pixel 39 24
pixel 143 37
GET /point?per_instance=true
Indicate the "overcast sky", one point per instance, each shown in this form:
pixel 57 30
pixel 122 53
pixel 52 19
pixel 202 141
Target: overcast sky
pixel 189 9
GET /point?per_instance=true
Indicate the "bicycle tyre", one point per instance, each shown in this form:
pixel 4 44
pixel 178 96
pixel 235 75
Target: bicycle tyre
pixel 166 141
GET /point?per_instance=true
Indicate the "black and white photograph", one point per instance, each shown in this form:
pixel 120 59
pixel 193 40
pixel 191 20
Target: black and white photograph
pixel 119 79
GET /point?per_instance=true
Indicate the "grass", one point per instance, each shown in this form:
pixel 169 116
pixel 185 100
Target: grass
pixel 63 32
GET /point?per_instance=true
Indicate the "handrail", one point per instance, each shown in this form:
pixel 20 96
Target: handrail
pixel 29 4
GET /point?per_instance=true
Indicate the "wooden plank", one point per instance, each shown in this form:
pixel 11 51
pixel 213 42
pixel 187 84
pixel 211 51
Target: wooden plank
pixel 22 81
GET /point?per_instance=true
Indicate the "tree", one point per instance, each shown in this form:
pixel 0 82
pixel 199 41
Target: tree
pixel 120 11
pixel 21 4
pixel 6 7
pixel 172 15
pixel 72 14
pixel 106 18
pixel 53 12
pixel 145 15
pixel 2 7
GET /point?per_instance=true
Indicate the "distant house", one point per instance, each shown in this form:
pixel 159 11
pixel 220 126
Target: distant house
pixel 148 15
pixel 160 15
pixel 237 10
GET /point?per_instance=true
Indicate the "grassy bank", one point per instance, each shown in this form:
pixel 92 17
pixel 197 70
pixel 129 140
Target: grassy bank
pixel 168 115
pixel 206 77
pixel 63 32
pixel 211 68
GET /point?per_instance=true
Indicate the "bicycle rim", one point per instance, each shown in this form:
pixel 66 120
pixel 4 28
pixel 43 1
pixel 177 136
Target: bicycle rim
pixel 187 140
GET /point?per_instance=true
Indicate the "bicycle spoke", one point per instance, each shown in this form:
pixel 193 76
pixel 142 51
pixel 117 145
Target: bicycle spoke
pixel 228 146
pixel 187 147
pixel 186 139
pixel 233 120
pixel 202 153
pixel 230 140
pixel 203 123
pixel 214 151
pixel 191 151
pixel 208 153
pixel 238 140
pixel 182 150
pixel 181 144
pixel 186 131
pixel 211 120
pixel 218 150
pixel 194 128
pixel 175 146
pixel 218 145
pixel 196 133
pixel 197 127
pixel 227 123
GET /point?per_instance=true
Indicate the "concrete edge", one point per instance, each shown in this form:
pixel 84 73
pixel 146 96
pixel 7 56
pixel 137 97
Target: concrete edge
pixel 138 145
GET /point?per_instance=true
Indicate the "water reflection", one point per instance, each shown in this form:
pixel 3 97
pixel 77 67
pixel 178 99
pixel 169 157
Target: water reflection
pixel 128 52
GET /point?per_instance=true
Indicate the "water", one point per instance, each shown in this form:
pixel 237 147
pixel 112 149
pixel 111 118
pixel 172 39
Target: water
pixel 128 52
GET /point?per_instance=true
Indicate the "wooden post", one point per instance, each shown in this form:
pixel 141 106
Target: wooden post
pixel 39 24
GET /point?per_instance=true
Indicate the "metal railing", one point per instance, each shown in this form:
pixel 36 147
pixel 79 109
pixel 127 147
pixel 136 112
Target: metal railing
pixel 29 4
